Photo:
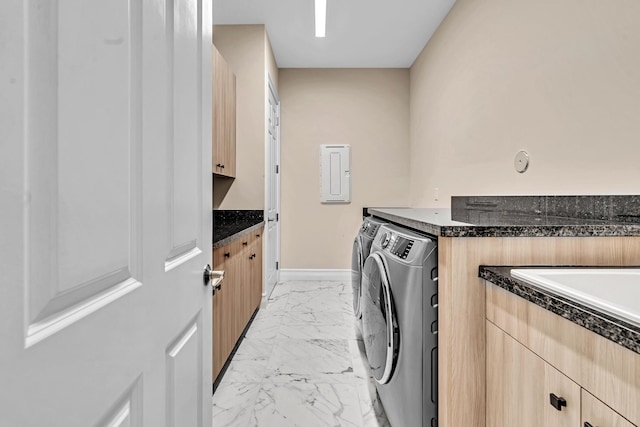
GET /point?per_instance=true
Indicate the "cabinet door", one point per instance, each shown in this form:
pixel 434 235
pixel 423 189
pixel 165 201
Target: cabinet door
pixel 519 386
pixel 230 122
pixel 225 303
pixel 236 324
pixel 248 277
pixel 597 414
pixel 224 117
pixel 222 301
pixel 256 272
pixel 241 314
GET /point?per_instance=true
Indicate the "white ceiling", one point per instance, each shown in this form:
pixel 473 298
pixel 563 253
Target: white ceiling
pixel 360 33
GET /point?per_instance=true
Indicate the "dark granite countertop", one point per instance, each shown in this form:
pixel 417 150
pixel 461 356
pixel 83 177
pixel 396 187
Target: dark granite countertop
pixel 229 225
pixel 616 330
pixel 523 216
pixel 245 231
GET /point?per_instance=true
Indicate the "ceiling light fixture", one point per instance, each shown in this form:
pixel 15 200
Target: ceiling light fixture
pixel 321 18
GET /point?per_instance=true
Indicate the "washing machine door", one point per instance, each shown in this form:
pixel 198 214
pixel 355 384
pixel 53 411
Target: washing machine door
pixel 379 324
pixel 357 262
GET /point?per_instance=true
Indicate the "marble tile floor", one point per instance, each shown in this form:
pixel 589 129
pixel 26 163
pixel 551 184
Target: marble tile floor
pixel 300 364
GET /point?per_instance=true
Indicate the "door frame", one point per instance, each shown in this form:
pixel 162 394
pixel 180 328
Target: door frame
pixel 271 87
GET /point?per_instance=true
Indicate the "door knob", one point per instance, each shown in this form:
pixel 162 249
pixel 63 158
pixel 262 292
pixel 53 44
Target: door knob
pixel 210 275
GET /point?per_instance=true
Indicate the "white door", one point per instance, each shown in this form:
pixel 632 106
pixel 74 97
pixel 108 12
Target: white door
pixel 105 187
pixel 272 241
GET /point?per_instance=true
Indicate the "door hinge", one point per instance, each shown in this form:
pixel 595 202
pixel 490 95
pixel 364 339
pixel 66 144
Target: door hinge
pixel 277 168
pixel 277 217
pixel 277 265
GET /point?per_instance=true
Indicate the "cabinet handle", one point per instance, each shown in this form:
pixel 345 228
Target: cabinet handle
pixel 587 424
pixel 257 235
pixel 245 243
pixel 218 165
pixel 227 254
pixel 557 402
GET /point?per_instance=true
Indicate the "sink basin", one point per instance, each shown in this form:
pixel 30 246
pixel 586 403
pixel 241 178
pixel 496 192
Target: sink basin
pixel 613 291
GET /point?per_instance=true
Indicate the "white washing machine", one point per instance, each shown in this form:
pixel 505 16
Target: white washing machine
pixel 400 324
pixel 361 249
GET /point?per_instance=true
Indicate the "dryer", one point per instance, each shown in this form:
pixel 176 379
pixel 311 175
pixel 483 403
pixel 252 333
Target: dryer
pixel 400 324
pixel 361 249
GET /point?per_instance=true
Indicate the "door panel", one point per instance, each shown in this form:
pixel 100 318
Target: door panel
pixel 185 378
pixel 127 412
pixel 95 193
pixel 80 104
pixel 186 150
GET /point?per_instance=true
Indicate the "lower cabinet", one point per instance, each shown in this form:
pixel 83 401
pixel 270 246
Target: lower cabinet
pixel 597 414
pixel 520 386
pixel 255 269
pixel 524 389
pixel 239 295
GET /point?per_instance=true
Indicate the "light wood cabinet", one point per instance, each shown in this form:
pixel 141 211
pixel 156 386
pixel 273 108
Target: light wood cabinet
pixel 597 414
pixel 461 323
pixel 224 117
pixel 255 294
pixel 520 385
pixel 223 335
pixel 607 375
pixel 239 296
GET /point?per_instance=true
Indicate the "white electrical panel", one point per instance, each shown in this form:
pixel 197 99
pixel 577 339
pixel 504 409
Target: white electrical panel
pixel 335 173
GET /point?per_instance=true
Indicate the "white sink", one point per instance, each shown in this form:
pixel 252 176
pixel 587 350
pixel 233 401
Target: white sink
pixel 614 291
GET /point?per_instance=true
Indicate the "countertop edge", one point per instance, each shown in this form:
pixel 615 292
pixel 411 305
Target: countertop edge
pixel 618 331
pixel 425 227
pixel 233 237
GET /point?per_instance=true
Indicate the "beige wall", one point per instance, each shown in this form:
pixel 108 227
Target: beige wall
pixel 559 78
pixel 247 50
pixel 368 109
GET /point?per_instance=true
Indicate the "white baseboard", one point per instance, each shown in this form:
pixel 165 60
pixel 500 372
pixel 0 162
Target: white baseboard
pixel 301 275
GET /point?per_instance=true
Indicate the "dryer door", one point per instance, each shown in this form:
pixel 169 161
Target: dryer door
pixel 379 325
pixel 357 261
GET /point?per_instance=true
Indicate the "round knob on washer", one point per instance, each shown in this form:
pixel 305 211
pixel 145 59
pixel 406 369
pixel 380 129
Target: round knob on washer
pixel 386 238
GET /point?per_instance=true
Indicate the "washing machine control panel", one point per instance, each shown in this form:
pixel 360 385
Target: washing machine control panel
pixel 385 239
pixel 369 228
pixel 401 247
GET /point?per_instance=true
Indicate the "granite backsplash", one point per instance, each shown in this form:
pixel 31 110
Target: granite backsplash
pixel 618 209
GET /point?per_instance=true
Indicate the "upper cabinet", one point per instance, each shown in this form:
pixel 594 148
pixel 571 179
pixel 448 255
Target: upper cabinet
pixel 224 117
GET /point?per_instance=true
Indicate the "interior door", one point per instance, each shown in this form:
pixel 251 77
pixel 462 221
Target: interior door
pixel 272 231
pixel 105 181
